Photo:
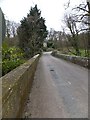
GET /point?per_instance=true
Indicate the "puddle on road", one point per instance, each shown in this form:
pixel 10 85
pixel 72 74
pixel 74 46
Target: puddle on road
pixel 54 75
pixel 51 70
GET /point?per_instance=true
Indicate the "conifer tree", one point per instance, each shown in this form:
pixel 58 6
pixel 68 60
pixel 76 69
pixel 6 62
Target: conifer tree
pixel 32 32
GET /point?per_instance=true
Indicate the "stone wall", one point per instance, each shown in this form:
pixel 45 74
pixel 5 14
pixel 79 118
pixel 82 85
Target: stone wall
pixel 16 86
pixel 82 61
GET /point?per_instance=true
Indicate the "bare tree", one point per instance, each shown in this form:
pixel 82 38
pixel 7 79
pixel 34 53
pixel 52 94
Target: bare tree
pixel 14 27
pixel 84 19
pixel 11 28
pixel 78 21
pixel 70 23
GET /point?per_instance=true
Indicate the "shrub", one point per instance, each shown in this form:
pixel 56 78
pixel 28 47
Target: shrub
pixel 11 58
pixel 8 65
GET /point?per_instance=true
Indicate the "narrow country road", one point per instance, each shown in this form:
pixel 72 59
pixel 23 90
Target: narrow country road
pixel 59 90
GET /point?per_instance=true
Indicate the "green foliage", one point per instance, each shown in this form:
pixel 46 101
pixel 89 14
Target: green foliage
pixel 72 51
pixel 11 58
pixel 49 44
pixel 9 65
pixel 32 32
pixel 82 51
pixel 44 49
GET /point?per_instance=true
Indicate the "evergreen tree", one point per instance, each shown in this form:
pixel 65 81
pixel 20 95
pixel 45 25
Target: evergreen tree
pixel 32 32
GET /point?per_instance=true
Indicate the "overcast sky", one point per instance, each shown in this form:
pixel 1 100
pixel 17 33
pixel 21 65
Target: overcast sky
pixel 52 10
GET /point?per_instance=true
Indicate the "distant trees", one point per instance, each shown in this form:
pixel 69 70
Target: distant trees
pixel 11 28
pixel 32 32
pixel 8 28
pixel 56 39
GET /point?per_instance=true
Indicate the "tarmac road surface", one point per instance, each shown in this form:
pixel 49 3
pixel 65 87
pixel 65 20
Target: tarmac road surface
pixel 59 90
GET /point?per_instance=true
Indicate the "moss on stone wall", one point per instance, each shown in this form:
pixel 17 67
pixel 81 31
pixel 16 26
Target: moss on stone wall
pixel 16 87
